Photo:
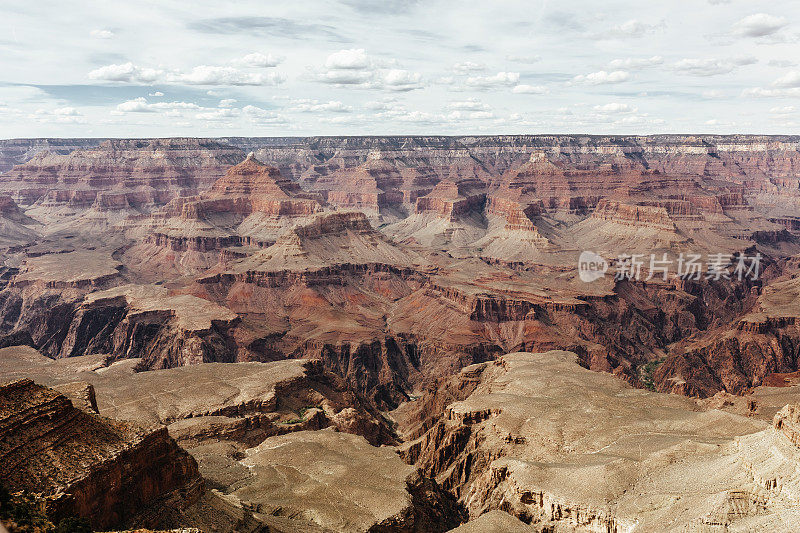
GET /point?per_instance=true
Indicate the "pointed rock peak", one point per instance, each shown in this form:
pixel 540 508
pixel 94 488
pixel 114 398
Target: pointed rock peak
pixel 252 162
pixel 538 155
pixel 251 165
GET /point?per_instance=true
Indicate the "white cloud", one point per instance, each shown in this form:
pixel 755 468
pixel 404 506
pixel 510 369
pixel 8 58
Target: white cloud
pixel 346 77
pixel 127 72
pixel 459 115
pixel 759 25
pixel 141 105
pixel 66 111
pixel 630 29
pixel 263 116
pixel 760 92
pixel 354 67
pixel 711 67
pixel 307 105
pixel 218 114
pixel 257 59
pixel 213 75
pixel 471 104
pixel 102 34
pixel 602 77
pixel 501 79
pixel 400 80
pixel 523 59
pixel 468 66
pixel 354 58
pixel 157 93
pixel 785 110
pixel 713 94
pixel 385 104
pixel 61 115
pixel 636 63
pixel 227 102
pixel 199 75
pixel 530 89
pixel 639 120
pixel 614 109
pixel 782 63
pixel 789 80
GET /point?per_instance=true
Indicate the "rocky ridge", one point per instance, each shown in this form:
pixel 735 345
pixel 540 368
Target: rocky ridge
pixel 559 469
pixel 89 466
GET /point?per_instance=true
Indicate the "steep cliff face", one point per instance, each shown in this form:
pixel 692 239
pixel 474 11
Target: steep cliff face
pixel 16 228
pixel 525 441
pixel 374 186
pixel 119 174
pixel 738 357
pixel 467 249
pixel 139 321
pixel 146 322
pixel 264 189
pixel 18 151
pixel 634 215
pixel 88 466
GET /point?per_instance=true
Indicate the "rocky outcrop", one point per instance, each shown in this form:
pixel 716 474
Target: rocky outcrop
pixel 503 447
pixel 147 322
pixel 120 173
pixel 736 358
pixel 144 322
pixel 517 216
pixel 395 499
pixel 88 466
pixel 328 240
pixel 787 421
pixel 451 199
pixel 634 215
pixel 263 189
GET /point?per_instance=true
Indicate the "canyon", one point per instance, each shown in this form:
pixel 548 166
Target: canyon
pixel 279 322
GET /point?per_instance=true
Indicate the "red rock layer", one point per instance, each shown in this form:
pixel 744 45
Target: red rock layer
pixel 248 187
pixel 633 215
pixel 453 198
pixel 120 173
pixel 86 465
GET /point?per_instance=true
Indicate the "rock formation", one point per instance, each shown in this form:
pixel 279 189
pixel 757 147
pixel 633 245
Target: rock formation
pixel 88 466
pixel 97 185
pixel 337 284
pixel 526 441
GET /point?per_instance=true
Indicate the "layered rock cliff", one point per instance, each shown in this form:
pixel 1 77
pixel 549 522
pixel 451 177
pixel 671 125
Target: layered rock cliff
pixel 525 441
pixel 88 466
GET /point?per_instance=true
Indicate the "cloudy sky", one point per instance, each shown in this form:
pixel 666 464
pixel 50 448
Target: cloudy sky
pixel 308 67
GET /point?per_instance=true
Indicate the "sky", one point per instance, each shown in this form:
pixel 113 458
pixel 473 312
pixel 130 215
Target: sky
pixel 396 67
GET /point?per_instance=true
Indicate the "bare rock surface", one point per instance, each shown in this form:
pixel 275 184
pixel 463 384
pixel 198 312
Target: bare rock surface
pixel 333 479
pixel 321 282
pixel 92 185
pixel 494 522
pixel 79 268
pixel 240 402
pixel 87 465
pixel 553 443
